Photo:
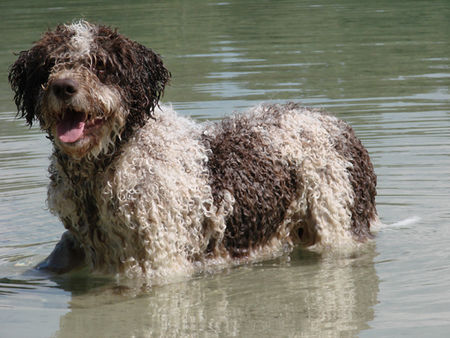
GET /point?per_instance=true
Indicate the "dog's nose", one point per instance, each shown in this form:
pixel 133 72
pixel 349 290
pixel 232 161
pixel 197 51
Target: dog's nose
pixel 64 88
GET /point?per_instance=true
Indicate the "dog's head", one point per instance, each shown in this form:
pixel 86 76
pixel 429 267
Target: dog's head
pixel 87 85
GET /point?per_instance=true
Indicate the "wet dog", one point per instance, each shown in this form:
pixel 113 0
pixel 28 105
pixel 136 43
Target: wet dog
pixel 144 192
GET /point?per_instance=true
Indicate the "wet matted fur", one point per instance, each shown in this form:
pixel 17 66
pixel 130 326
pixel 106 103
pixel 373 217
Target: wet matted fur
pixel 144 192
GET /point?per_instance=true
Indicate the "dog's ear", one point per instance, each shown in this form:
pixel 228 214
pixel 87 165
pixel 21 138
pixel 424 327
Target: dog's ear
pixel 137 70
pixel 149 77
pixel 155 76
pixel 26 76
pixel 18 78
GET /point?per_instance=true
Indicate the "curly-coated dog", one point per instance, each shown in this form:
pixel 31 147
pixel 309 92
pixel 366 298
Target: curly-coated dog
pixel 144 192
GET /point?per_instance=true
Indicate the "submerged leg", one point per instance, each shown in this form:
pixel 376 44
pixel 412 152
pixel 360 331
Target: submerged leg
pixel 66 256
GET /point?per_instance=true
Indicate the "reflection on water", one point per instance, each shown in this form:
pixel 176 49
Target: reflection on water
pixel 309 296
pixel 382 66
pixel 304 294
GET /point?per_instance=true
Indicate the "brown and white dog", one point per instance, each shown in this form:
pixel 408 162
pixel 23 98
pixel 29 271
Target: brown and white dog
pixel 146 193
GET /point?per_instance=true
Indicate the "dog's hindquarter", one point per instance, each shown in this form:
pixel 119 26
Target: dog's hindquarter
pixel 296 177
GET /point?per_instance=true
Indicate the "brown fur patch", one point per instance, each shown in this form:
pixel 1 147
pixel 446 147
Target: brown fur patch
pixel 362 178
pixel 262 183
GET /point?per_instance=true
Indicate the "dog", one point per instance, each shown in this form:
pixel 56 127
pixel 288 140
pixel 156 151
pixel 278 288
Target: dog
pixel 144 192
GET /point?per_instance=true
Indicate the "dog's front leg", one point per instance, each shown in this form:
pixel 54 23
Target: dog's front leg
pixel 66 256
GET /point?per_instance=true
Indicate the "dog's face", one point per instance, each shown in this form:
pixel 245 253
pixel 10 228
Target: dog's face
pixel 87 85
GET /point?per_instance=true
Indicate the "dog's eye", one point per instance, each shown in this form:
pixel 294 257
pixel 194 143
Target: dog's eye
pixel 100 66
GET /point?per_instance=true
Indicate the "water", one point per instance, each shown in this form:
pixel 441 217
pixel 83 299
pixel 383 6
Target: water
pixel 383 66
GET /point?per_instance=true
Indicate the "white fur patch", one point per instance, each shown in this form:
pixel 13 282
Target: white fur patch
pixel 83 38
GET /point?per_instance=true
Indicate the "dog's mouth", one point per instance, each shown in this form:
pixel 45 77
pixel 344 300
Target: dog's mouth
pixel 75 125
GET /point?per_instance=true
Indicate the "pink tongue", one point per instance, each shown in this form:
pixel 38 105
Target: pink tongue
pixel 71 128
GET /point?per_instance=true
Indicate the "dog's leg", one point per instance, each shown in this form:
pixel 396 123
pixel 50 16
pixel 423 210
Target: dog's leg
pixel 66 256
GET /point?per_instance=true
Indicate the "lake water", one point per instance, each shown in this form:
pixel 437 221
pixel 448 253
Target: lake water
pixel 383 66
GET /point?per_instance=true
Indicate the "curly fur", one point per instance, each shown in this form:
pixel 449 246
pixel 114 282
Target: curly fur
pixel 146 193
